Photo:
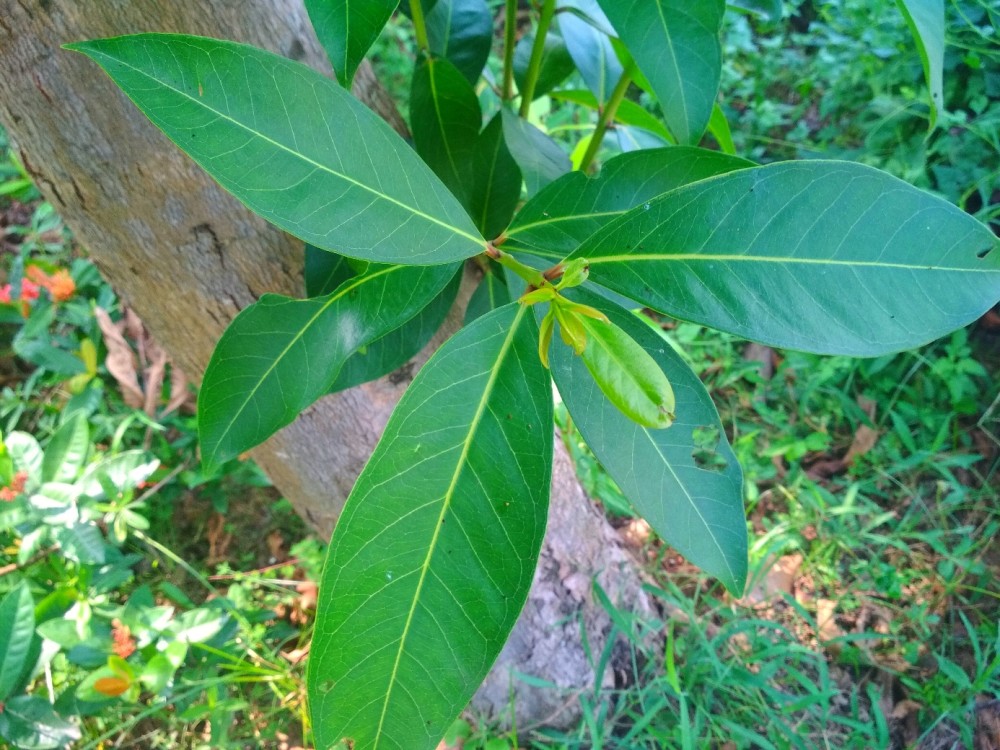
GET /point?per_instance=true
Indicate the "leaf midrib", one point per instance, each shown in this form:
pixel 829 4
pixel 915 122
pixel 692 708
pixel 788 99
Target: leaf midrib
pixel 734 258
pixel 277 144
pixel 445 506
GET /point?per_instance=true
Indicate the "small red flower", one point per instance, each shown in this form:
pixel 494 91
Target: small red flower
pixel 29 290
pixel 5 294
pixel 15 488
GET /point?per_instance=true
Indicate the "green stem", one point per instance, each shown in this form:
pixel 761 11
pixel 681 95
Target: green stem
pixel 537 52
pixel 606 117
pixel 419 27
pixel 509 34
pixel 529 274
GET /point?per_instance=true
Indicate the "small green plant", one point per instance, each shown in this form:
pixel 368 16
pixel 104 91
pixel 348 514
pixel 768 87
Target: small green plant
pixel 435 550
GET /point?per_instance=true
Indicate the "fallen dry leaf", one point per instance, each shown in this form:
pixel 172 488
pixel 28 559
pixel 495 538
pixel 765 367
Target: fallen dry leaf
pixel 121 360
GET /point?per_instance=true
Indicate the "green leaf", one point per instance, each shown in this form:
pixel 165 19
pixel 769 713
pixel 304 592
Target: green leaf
pixel 17 626
pixel 67 450
pixel 347 29
pixel 771 9
pixel 82 542
pixel 292 145
pixel 445 119
pixel 325 271
pixel 676 45
pixel 281 354
pixel 397 347
pixel 497 179
pixel 434 552
pixel 27 455
pixel 628 376
pixel 689 489
pixel 540 158
pixel 461 31
pixel 29 722
pixel 557 220
pixel 718 126
pixel 628 112
pixel 123 471
pixel 491 293
pixel 556 63
pixel 926 21
pixel 590 48
pixel 826 257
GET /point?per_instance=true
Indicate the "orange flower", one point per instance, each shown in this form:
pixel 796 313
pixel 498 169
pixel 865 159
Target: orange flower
pixel 15 488
pixel 5 294
pixel 124 643
pixel 59 285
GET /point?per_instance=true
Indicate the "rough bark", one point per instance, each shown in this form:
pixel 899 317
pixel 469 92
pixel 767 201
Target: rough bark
pixel 187 257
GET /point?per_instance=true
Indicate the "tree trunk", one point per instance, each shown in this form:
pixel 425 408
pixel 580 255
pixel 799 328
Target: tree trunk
pixel 187 257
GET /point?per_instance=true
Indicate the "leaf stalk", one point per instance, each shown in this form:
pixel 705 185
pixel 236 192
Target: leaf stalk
pixel 537 53
pixel 607 116
pixel 419 25
pixel 509 40
pixel 534 277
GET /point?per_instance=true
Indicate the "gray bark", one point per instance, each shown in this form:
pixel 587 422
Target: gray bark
pixel 187 257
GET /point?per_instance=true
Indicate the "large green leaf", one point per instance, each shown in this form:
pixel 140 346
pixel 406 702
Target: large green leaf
pixel 689 490
pixel 445 119
pixel 496 187
pixel 827 257
pixel 926 20
pixel 347 29
pixel 461 31
pixel 590 47
pixel 17 626
pixel 292 145
pixel 676 45
pixel 557 220
pixel 281 354
pixel 434 553
pixel 540 158
pixel 393 350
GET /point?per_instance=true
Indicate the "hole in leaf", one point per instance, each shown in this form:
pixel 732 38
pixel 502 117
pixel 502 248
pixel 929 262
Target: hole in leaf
pixel 984 252
pixel 705 453
pixel 326 686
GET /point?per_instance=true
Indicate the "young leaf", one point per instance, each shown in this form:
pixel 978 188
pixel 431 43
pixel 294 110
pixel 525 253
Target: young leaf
pixel 461 31
pixel 676 45
pixel 394 349
pixel 67 450
pixel 628 376
pixel 292 145
pixel 590 48
pixel 540 158
pixel 347 29
pixel 17 626
pixel 434 553
pixel 281 354
pixel 556 63
pixel 696 509
pixel 445 118
pixel 557 220
pixel 826 257
pixel 926 21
